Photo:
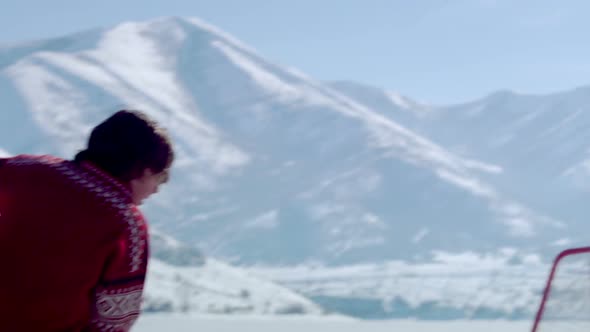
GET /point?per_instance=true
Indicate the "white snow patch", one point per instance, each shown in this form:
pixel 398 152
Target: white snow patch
pixel 373 220
pixel 54 102
pixel 4 153
pixel 267 220
pixel 398 100
pixel 481 166
pixel 166 240
pixel 267 80
pixel 222 34
pixel 470 184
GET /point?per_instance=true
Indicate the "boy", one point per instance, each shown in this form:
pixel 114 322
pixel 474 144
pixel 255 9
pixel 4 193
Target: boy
pixel 73 243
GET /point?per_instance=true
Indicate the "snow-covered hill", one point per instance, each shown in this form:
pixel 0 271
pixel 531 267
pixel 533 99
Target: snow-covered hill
pixel 217 288
pixel 181 279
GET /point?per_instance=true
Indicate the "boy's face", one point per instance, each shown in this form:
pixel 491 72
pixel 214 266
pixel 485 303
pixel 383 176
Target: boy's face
pixel 147 185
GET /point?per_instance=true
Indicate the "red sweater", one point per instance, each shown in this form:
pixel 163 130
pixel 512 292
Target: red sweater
pixel 73 248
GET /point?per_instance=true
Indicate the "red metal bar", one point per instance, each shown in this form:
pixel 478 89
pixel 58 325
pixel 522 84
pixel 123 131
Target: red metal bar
pixel 563 254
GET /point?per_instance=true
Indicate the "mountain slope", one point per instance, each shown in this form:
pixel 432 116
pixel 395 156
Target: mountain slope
pixel 181 279
pixel 535 147
pixel 272 166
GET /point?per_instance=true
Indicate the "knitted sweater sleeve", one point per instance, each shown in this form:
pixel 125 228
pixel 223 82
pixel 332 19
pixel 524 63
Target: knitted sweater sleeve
pixel 118 295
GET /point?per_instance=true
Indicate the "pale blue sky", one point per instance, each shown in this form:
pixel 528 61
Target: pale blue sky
pixel 437 51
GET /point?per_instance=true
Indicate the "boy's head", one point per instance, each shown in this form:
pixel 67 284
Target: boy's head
pixel 133 149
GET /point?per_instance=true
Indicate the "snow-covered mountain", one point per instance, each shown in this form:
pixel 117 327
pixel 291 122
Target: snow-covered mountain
pixel 535 147
pixel 541 143
pixel 277 168
pixel 273 166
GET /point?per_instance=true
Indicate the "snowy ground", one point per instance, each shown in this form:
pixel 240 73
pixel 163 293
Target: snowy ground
pixel 181 323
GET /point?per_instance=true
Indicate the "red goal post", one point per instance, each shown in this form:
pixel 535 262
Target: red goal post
pixel 565 305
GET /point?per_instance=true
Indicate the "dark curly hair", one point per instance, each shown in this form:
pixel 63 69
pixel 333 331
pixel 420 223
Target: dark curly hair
pixel 126 144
